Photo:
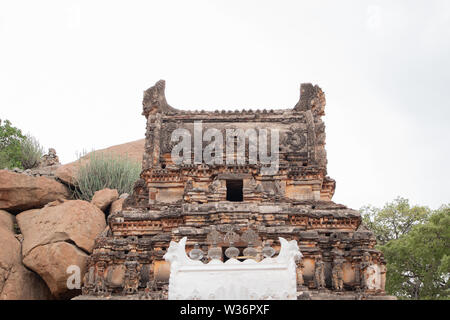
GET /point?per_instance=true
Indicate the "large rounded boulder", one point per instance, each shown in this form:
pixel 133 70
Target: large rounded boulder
pixel 6 220
pixel 76 221
pixel 16 281
pixel 19 192
pixel 102 199
pixel 59 236
pixel 54 263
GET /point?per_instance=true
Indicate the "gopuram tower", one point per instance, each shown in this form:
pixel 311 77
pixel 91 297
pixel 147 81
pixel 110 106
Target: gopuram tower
pixel 225 173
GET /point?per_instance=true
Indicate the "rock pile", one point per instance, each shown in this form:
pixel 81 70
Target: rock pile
pixel 49 159
pixel 59 236
pixel 16 281
pixel 50 236
pixel 19 192
pixel 44 234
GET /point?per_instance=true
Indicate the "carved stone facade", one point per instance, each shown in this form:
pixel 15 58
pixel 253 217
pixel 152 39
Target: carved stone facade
pixel 171 201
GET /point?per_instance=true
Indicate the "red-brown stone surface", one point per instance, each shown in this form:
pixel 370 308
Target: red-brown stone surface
pixel 19 192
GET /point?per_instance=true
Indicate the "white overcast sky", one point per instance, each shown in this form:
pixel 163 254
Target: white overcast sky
pixel 72 74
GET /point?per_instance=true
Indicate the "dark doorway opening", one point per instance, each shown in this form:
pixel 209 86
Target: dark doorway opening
pixel 234 190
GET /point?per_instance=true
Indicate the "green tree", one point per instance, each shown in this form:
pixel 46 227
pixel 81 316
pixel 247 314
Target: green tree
pixel 10 145
pixel 418 262
pixel 395 219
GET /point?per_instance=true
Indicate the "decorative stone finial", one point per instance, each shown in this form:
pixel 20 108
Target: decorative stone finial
pixel 154 100
pixel 311 97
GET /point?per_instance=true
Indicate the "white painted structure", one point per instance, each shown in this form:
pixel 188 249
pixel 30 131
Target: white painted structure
pixel 271 278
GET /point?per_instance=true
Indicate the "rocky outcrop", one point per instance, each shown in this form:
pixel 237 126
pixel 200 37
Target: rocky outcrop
pixel 16 281
pixel 102 199
pixel 116 206
pixel 20 192
pixel 67 173
pixel 75 221
pixel 6 220
pixel 51 262
pixel 39 171
pixel 57 236
pixel 133 150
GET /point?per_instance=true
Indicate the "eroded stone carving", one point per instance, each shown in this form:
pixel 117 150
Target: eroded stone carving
pixel 155 99
pixel 319 273
pixel 295 139
pixel 338 275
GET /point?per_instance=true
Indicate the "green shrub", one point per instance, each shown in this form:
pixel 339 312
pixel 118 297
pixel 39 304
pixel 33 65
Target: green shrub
pixel 106 171
pixel 31 152
pixel 10 145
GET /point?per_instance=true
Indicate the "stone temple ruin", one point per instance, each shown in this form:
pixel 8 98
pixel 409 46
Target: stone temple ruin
pixel 194 199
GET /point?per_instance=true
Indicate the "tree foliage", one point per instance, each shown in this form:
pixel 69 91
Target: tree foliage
pixel 18 150
pixel 416 244
pixel 395 219
pixel 10 145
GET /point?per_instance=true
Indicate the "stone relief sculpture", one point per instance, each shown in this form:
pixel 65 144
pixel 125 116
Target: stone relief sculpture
pixel 189 186
pixel 337 275
pixel 300 280
pixel 295 139
pixel 279 189
pixel 364 265
pixel 255 186
pixel 214 186
pixel 319 273
pixel 131 281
